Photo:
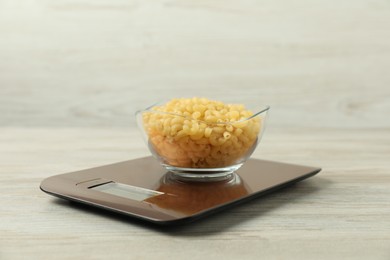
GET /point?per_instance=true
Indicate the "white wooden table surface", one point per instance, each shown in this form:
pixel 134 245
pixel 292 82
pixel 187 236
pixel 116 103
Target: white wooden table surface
pixel 72 73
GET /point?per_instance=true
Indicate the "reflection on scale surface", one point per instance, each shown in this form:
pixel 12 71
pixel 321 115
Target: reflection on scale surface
pixel 192 197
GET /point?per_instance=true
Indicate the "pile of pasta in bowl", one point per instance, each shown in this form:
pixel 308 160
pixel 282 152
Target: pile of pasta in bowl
pixel 199 133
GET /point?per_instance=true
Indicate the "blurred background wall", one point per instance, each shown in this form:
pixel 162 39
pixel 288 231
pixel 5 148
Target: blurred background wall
pixel 322 63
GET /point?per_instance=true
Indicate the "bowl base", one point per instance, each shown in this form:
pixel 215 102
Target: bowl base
pixel 202 175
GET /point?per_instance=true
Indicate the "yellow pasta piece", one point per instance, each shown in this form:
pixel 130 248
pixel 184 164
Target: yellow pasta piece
pixel 208 131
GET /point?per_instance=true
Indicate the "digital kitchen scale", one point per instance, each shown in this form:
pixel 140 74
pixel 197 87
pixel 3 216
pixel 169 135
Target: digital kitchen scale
pixel 142 188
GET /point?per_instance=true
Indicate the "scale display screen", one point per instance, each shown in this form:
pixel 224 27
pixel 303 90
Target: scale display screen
pixel 126 191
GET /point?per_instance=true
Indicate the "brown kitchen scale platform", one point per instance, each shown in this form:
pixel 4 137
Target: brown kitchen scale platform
pixel 142 188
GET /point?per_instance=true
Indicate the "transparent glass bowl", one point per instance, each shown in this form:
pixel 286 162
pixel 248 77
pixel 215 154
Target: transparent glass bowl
pixel 196 150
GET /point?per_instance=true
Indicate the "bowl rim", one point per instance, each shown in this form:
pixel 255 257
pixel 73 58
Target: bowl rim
pixel 264 109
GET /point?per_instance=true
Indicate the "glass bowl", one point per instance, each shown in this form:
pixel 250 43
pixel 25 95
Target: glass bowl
pixel 198 150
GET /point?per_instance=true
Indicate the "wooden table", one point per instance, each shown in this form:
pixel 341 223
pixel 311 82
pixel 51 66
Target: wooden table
pixel 72 73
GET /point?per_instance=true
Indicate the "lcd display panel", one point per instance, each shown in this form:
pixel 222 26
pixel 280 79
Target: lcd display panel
pixel 126 191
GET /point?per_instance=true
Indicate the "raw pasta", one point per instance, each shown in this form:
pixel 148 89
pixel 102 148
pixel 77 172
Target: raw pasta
pixel 201 133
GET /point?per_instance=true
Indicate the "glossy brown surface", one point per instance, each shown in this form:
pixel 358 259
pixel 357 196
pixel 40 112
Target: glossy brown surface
pixel 180 201
pixel 190 198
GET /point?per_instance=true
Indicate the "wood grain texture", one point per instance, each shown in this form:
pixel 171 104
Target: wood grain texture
pixel 341 213
pixel 93 63
pixel 72 74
